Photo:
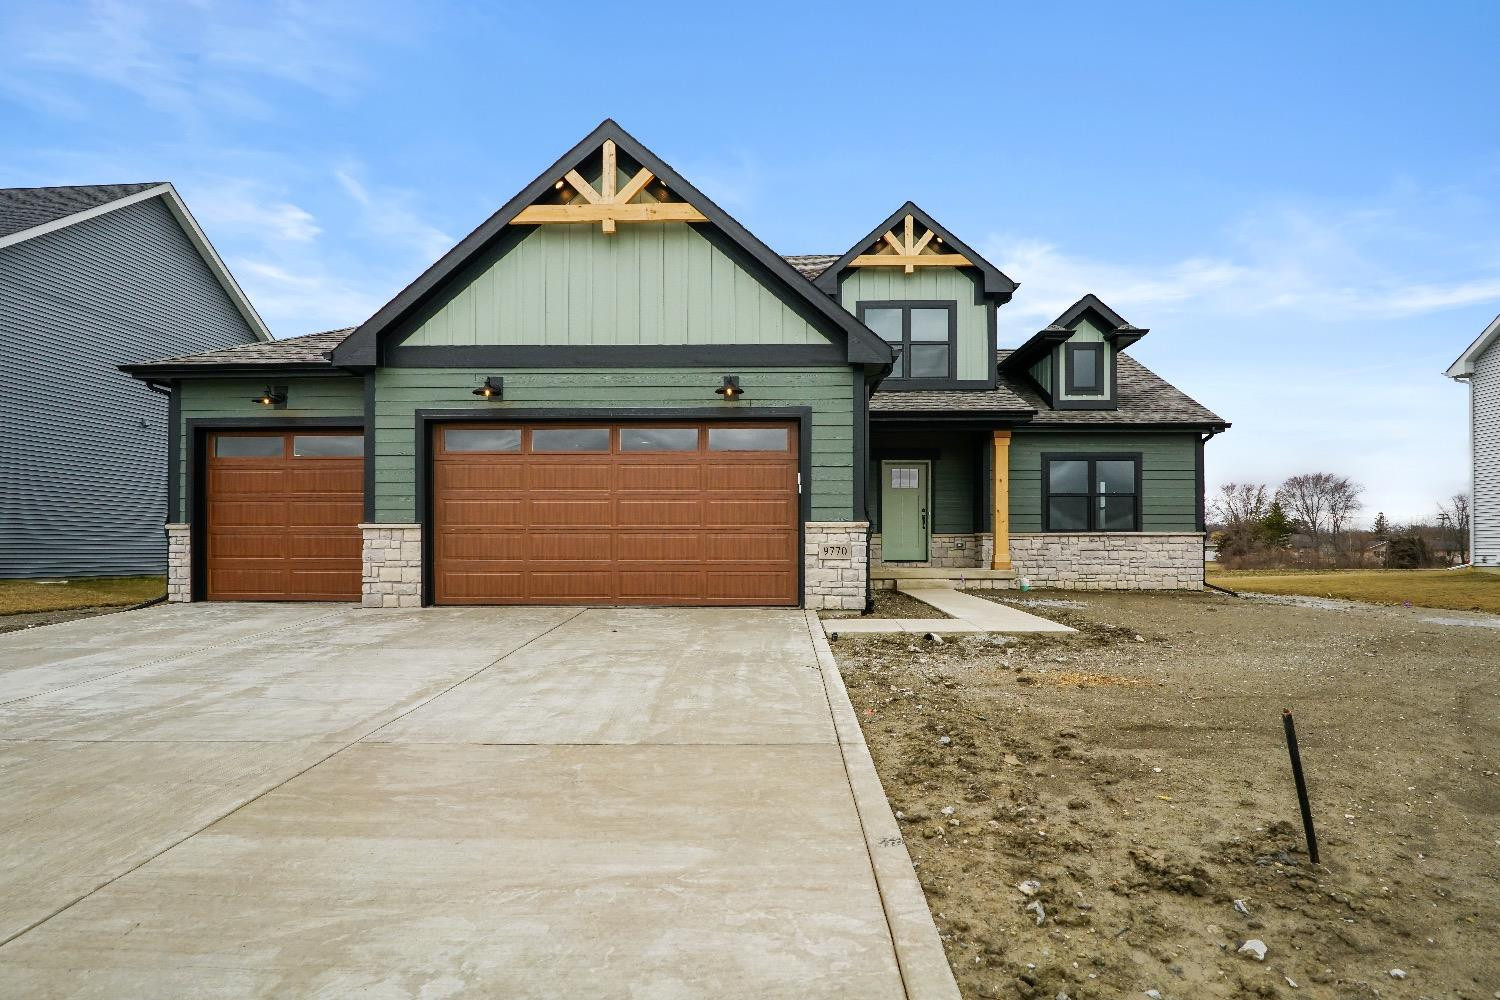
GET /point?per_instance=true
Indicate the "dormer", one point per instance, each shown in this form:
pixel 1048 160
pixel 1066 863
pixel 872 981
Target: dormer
pixel 1072 363
pixel 927 295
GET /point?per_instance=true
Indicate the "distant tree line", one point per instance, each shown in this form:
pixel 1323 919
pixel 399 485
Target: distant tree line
pixel 1308 521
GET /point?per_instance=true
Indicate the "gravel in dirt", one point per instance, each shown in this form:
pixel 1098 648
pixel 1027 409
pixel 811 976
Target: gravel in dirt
pixel 1112 813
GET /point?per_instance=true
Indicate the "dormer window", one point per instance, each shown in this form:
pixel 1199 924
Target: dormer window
pixel 923 333
pixel 1085 368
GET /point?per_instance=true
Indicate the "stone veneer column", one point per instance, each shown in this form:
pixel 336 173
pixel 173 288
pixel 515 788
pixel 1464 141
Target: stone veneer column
pixel 179 563
pixel 392 566
pixel 835 563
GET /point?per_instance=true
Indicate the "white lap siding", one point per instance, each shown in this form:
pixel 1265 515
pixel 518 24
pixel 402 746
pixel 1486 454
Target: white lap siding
pixel 1484 401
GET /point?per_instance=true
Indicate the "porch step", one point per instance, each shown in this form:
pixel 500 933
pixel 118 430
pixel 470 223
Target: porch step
pixel 898 577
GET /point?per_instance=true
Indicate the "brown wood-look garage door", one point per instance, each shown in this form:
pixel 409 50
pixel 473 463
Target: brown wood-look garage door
pixel 283 513
pixel 660 513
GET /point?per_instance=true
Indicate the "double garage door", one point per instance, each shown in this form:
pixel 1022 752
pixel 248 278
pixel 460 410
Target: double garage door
pixel 631 513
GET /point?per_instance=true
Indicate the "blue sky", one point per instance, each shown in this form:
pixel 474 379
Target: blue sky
pixel 1300 200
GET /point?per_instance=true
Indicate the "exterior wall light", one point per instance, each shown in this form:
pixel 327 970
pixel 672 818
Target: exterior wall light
pixel 275 395
pixel 730 390
pixel 493 388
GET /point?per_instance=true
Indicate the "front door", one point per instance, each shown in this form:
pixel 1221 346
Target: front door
pixel 903 511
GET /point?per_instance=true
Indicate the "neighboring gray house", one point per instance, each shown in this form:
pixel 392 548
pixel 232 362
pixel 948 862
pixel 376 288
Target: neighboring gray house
pixel 92 277
pixel 1480 367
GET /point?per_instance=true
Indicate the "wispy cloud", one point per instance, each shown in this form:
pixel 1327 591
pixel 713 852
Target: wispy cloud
pixel 1367 262
pixel 389 213
pixel 251 212
pixel 185 58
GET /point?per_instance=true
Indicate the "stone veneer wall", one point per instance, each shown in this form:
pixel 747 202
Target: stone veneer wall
pixel 836 581
pixel 948 551
pixel 179 563
pixel 1110 560
pixel 393 566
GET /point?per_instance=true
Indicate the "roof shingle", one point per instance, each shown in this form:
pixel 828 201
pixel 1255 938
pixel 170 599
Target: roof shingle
pixel 308 349
pixel 26 208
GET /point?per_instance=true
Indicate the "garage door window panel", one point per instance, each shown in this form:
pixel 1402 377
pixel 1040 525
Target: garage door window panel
pixel 658 439
pixel 570 439
pixel 328 446
pixel 748 439
pixel 469 439
pixel 249 446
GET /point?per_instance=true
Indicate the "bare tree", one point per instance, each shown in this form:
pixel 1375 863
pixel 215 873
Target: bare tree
pixel 1456 511
pixel 1343 503
pixel 1240 503
pixel 1322 503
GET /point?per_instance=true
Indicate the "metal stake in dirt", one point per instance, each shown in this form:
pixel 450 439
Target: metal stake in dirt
pixel 1291 748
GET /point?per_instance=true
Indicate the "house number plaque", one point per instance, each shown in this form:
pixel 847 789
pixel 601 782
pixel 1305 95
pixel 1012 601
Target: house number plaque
pixel 835 551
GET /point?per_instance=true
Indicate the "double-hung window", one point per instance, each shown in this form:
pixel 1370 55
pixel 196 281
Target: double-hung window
pixel 1091 492
pixel 922 331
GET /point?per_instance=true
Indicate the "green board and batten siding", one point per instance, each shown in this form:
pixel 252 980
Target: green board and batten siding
pixel 572 285
pixel 400 392
pixel 883 284
pixel 1169 477
pixel 1084 333
pixel 336 396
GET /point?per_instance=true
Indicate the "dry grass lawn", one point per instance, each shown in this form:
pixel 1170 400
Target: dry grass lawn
pixel 1459 590
pixel 31 596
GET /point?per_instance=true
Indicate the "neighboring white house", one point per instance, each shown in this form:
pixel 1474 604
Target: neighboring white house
pixel 1480 367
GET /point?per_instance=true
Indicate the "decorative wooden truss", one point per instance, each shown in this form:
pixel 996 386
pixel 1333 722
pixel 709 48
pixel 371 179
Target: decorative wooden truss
pixel 909 252
pixel 582 202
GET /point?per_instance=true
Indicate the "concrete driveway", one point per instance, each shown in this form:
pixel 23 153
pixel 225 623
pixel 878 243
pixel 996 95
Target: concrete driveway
pixel 295 800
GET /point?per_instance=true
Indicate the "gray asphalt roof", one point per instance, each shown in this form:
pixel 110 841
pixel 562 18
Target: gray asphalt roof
pixel 1144 397
pixel 811 264
pixel 310 348
pixel 27 208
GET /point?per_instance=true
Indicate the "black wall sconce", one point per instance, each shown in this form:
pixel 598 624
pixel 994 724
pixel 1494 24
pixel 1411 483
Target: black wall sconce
pixel 275 395
pixel 730 390
pixel 493 388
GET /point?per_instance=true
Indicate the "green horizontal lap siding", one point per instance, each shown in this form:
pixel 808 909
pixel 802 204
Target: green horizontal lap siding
pixel 955 476
pixel 876 284
pixel 1169 484
pixel 647 284
pixel 305 397
pixel 400 392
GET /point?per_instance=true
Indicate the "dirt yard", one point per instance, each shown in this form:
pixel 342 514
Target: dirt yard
pixel 1138 773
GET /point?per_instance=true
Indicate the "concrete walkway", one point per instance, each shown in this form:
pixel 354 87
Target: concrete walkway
pixel 293 800
pixel 969 614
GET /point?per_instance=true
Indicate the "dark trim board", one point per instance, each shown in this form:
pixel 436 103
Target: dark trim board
pixel 426 420
pixel 174 452
pixel 1202 521
pixel 369 446
pixel 264 369
pixel 719 356
pixel 197 429
pixel 1047 457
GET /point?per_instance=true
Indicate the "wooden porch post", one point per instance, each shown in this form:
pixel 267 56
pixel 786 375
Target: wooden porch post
pixel 1001 522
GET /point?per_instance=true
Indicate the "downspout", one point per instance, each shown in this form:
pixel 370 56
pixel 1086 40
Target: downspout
pixel 1203 505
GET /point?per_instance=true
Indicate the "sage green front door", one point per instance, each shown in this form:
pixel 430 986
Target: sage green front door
pixel 903 511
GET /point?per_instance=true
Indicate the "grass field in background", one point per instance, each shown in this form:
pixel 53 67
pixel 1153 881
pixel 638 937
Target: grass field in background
pixel 1457 590
pixel 20 596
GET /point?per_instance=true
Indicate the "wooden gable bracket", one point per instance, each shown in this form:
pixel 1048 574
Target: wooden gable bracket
pixel 909 253
pixel 609 206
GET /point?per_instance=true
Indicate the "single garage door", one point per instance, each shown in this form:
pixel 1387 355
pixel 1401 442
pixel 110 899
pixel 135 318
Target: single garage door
pixel 660 513
pixel 283 513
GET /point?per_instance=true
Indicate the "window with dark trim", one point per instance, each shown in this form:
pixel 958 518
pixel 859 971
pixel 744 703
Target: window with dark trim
pixel 924 332
pixel 1085 364
pixel 1091 492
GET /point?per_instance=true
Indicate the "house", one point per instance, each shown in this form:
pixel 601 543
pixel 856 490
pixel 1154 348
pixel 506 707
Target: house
pixel 611 392
pixel 1479 366
pixel 91 277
